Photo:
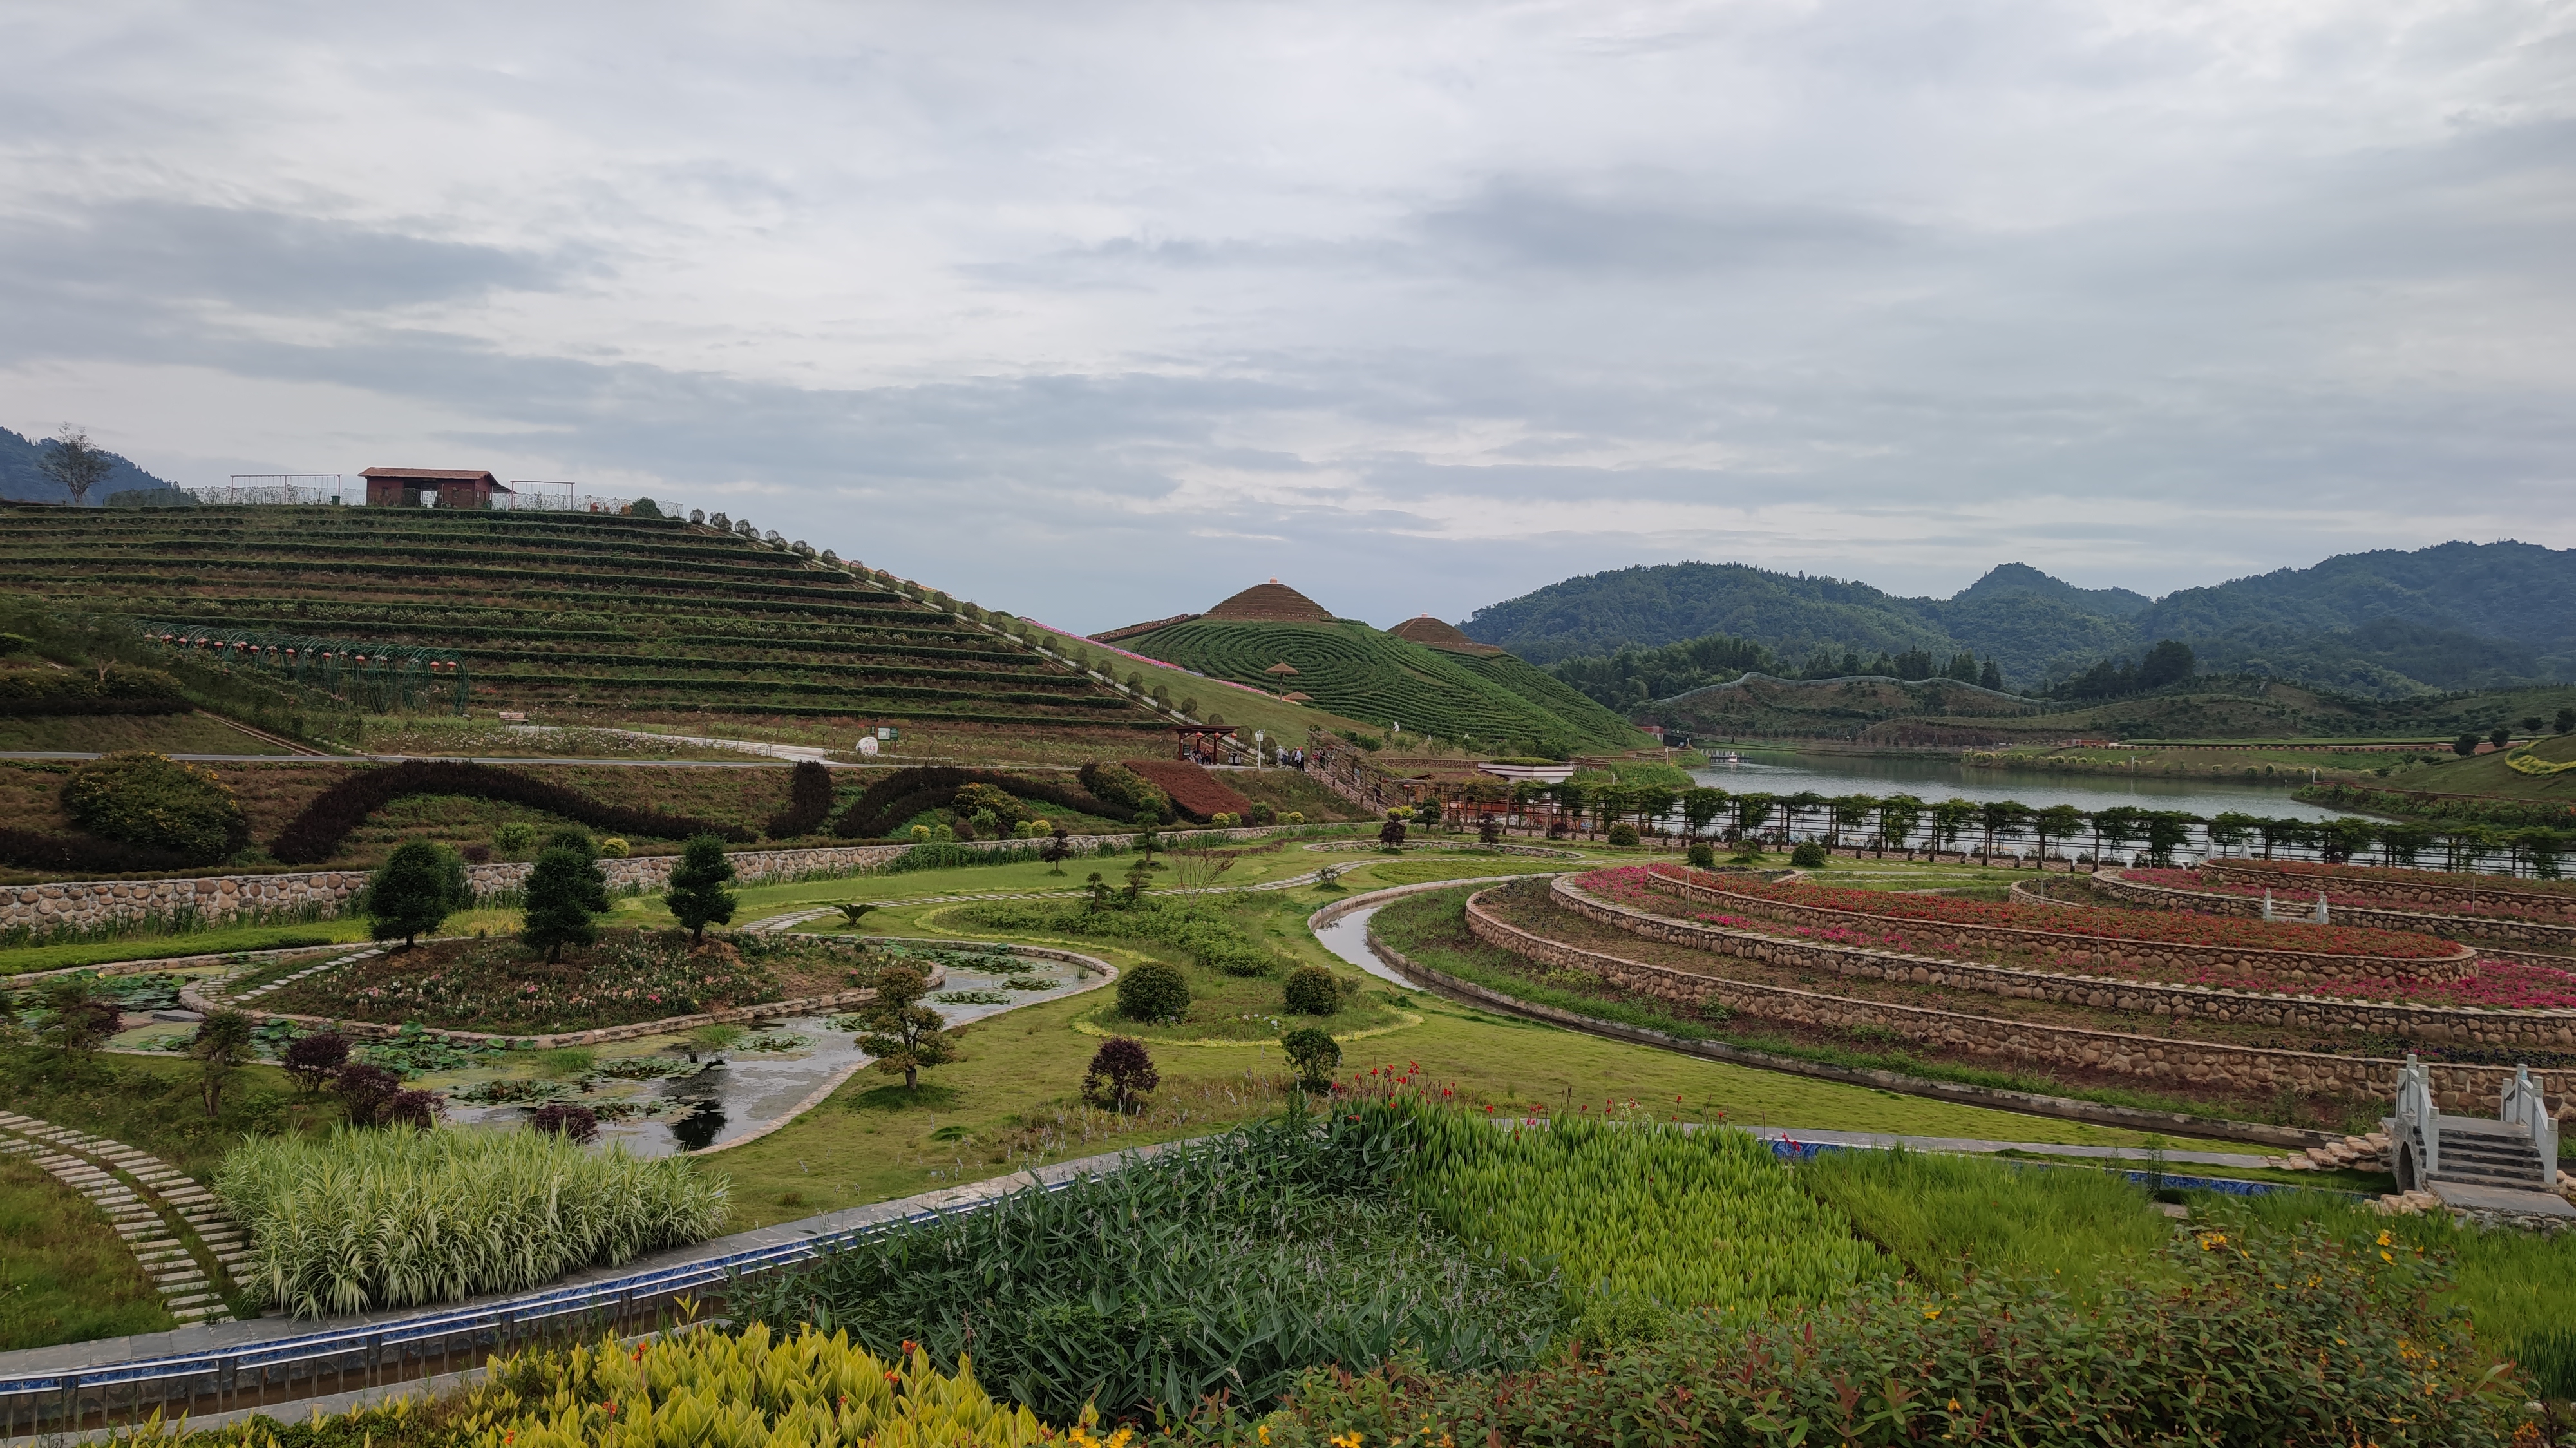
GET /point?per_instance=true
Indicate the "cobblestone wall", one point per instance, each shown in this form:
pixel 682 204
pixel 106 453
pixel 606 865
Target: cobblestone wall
pixel 2290 967
pixel 1958 1035
pixel 2291 901
pixel 2393 889
pixel 90 903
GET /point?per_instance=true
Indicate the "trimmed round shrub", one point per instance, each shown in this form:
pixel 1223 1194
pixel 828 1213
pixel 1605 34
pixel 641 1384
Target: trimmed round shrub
pixel 145 798
pixel 1702 855
pixel 1315 1054
pixel 1808 856
pixel 1296 817
pixel 1153 991
pixel 1312 991
pixel 514 837
pixel 614 848
pixel 1624 835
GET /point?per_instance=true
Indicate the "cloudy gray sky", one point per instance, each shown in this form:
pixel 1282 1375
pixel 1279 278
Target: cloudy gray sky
pixel 1097 312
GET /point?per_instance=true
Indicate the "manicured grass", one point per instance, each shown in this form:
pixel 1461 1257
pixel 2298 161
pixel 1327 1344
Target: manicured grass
pixel 1012 1102
pixel 100 734
pixel 65 1276
pixel 1944 1217
pixel 152 1104
pixel 223 940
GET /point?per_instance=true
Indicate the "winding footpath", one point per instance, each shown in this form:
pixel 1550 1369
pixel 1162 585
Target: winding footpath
pixel 174 1227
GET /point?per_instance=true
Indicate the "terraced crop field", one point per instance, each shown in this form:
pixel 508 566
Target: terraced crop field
pixel 637 614
pixel 1355 670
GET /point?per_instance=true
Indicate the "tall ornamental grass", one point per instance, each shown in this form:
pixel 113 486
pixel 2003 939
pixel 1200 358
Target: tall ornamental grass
pixel 1951 1217
pixel 367 1219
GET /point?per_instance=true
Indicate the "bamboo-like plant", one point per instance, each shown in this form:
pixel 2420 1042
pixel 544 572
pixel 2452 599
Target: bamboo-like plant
pixel 392 1218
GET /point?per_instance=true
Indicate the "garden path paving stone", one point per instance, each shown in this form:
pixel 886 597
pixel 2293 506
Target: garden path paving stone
pixel 139 1213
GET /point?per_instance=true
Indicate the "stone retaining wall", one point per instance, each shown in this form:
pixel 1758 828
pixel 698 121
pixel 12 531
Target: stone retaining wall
pixel 2437 1025
pixel 2287 966
pixel 92 903
pixel 1961 1036
pixel 2386 916
pixel 2394 889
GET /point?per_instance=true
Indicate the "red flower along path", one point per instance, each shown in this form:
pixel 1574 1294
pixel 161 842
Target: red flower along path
pixel 2497 985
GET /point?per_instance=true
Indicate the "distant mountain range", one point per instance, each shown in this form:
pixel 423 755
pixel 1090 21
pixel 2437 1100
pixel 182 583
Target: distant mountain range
pixel 2384 624
pixel 22 481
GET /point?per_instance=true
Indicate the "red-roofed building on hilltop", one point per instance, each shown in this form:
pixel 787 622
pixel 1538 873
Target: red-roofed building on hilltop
pixel 431 488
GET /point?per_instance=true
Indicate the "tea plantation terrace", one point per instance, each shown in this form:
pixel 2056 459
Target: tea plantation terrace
pixel 618 613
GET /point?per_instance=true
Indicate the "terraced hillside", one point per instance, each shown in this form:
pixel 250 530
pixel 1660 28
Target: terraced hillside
pixel 622 614
pixel 1352 669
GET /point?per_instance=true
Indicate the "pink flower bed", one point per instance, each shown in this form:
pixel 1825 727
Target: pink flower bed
pixel 2498 985
pixel 2159 928
pixel 2292 896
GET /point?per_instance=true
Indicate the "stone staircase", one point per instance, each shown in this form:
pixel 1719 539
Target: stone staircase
pixel 176 1229
pixel 2493 1171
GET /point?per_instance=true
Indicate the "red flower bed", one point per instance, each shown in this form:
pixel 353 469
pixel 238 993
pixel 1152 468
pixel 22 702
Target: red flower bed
pixel 2146 928
pixel 2389 875
pixel 1194 791
pixel 2289 899
pixel 2498 985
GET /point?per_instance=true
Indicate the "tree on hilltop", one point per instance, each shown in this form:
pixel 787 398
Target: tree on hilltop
pixel 73 462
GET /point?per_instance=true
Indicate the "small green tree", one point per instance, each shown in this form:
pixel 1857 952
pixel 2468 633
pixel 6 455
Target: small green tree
pixel 514 837
pixel 1153 991
pixel 82 1019
pixel 224 1043
pixel 565 889
pixel 1311 990
pixel 697 896
pixel 1314 1053
pixel 2565 723
pixel 413 891
pixel 852 912
pixel 904 1035
pixel 2465 745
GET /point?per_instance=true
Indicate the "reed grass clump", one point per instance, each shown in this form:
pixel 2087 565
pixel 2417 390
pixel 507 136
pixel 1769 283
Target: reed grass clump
pixel 364 1219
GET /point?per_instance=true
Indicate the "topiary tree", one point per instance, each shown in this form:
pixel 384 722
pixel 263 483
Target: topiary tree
pixel 1121 1072
pixel 1311 990
pixel 1153 991
pixel 414 891
pixel 904 1035
pixel 697 894
pixel 224 1042
pixel 1623 834
pixel 1702 855
pixel 1808 856
pixel 314 1059
pixel 1391 834
pixel 145 798
pixel 82 1019
pixel 1314 1053
pixel 565 889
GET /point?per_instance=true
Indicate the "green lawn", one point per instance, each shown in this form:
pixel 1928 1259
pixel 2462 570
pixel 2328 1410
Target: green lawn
pixel 1013 1101
pixel 151 1103
pixel 65 1276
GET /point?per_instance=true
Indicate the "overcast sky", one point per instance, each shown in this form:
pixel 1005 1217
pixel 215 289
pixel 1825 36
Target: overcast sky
pixel 1098 312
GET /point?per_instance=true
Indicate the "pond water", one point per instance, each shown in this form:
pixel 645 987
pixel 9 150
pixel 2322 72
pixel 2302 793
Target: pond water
pixel 736 1091
pixel 1937 779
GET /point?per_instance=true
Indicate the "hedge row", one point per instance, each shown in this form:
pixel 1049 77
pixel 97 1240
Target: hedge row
pixel 809 802
pixel 565 600
pixel 29 850
pixel 317 831
pixel 1024 676
pixel 859 694
pixel 328 554
pixel 26 693
pixel 339 569
pixel 907 792
pixel 78 706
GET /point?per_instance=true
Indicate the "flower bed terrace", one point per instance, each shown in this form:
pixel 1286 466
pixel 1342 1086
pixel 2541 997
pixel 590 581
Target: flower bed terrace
pixel 2131 943
pixel 502 987
pixel 2450 892
pixel 2340 895
pixel 2494 984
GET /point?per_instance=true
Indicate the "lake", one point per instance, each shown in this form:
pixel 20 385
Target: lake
pixel 1938 779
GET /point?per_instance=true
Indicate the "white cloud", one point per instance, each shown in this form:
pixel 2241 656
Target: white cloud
pixel 1424 305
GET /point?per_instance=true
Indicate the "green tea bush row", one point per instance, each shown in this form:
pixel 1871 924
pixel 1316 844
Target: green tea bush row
pixel 365 1219
pixel 1229 1267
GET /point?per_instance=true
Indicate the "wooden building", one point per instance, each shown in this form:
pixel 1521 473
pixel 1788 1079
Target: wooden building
pixel 431 488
